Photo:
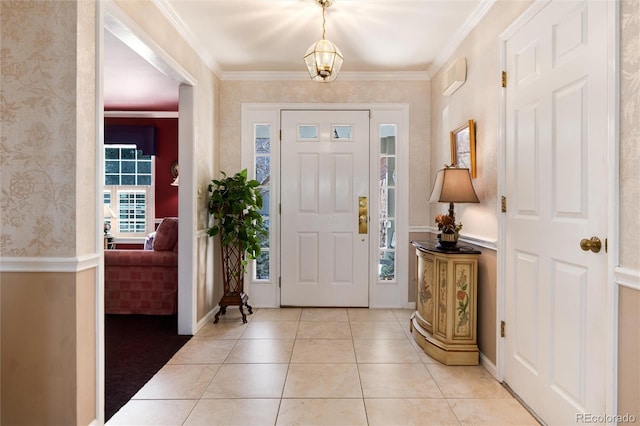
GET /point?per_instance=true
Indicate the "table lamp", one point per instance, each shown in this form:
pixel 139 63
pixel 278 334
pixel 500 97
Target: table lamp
pixel 452 185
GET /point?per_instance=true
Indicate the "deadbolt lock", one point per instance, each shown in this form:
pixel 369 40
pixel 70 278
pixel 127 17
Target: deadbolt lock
pixel 594 244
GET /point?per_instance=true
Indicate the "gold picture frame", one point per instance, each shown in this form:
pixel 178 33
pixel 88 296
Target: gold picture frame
pixel 463 147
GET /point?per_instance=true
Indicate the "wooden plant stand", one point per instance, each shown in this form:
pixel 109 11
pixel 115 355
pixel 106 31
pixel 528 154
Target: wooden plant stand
pixel 233 277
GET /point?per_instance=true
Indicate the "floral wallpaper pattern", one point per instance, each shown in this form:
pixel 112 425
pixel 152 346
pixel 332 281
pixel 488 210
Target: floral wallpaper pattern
pixel 37 115
pixel 630 133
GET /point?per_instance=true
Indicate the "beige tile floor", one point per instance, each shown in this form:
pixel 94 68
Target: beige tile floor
pixel 316 366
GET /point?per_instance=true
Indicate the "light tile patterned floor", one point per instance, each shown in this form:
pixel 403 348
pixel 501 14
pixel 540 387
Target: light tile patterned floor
pixel 316 366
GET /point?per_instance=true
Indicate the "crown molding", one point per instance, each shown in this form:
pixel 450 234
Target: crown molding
pixel 343 76
pixel 169 12
pixel 459 37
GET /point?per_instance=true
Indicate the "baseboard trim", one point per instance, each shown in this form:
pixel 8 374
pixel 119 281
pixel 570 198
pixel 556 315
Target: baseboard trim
pixel 50 264
pixel 489 366
pixel 207 318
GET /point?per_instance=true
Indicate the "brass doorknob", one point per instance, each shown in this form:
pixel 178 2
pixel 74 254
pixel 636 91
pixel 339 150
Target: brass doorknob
pixel 594 244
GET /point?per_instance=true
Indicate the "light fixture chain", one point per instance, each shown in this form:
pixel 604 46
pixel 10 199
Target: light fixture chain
pixel 324 21
pixel 323 58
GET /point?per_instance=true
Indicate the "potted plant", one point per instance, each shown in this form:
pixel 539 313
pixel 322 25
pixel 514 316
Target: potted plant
pixel 234 205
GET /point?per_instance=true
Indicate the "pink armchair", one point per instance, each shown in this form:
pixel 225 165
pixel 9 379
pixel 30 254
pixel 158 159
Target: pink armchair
pixel 144 281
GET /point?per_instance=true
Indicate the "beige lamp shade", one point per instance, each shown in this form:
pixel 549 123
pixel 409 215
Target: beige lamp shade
pixel 453 185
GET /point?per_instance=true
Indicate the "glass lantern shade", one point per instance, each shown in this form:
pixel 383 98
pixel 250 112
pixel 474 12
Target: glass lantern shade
pixel 324 60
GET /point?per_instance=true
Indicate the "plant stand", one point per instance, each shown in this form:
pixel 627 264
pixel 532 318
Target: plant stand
pixel 233 277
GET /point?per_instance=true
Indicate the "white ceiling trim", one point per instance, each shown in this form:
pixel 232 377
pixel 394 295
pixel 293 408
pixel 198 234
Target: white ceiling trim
pixel 343 76
pixel 459 37
pixel 169 12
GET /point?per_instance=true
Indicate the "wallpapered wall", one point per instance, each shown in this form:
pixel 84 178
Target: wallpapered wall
pixel 630 133
pixel 629 299
pixel 48 77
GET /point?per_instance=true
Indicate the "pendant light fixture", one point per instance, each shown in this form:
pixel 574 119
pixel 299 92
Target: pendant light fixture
pixel 323 58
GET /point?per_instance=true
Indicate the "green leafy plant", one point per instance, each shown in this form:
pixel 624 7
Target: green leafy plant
pixel 234 204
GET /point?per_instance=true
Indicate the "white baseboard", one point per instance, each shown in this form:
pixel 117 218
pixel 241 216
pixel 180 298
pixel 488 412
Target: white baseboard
pixel 489 366
pixel 208 317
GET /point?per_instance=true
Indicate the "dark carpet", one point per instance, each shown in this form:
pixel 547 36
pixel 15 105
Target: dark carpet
pixel 136 347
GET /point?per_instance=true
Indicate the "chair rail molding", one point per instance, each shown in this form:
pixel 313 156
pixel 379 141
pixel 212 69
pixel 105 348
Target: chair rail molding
pixel 627 277
pixel 50 264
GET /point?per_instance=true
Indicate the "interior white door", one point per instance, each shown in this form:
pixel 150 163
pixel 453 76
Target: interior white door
pixel 324 174
pixel 556 177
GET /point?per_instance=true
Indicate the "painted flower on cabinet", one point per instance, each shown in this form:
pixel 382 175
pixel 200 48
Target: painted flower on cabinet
pixel 462 298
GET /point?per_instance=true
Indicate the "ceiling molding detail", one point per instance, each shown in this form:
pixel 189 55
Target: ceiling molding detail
pixel 167 10
pixel 459 37
pixel 344 76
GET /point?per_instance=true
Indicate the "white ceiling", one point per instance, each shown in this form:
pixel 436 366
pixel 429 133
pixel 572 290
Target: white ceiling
pixel 236 37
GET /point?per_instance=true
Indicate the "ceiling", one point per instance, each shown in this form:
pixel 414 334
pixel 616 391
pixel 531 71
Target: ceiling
pixel 242 37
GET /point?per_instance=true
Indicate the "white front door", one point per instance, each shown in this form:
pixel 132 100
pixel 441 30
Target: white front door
pixel 556 188
pixel 324 176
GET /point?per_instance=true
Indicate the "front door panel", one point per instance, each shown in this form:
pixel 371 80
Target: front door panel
pixel 324 173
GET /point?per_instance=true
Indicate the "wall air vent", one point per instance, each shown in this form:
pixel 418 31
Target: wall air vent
pixel 454 76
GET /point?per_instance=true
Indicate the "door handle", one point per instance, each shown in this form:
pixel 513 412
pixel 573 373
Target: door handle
pixel 363 215
pixel 594 244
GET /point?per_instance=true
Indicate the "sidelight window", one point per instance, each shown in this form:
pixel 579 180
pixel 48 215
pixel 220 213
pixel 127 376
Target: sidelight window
pixel 387 199
pixel 262 155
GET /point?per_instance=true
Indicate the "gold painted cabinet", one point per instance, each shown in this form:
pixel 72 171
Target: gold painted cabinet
pixel 444 323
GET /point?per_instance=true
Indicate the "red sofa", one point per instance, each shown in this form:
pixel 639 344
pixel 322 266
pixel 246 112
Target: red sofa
pixel 144 281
